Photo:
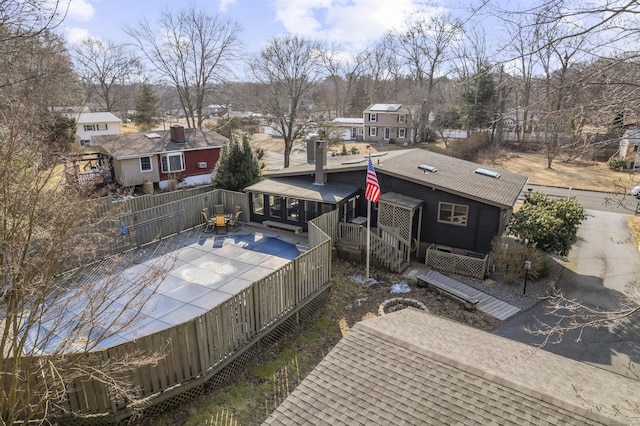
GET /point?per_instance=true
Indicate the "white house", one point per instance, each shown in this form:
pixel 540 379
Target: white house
pixel 351 129
pixel 630 148
pixel 90 124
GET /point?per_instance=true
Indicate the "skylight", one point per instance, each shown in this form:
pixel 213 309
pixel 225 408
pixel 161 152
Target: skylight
pixel 487 172
pixel 426 168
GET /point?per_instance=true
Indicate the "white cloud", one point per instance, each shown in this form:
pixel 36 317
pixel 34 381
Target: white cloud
pixel 75 35
pixel 81 10
pixel 350 22
pixel 224 4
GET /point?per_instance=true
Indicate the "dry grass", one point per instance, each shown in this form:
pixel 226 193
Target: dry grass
pixel 576 174
pixel 634 228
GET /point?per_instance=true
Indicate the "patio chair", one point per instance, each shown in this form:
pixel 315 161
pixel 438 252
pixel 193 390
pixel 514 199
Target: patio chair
pixel 220 222
pixel 235 220
pixel 218 209
pixel 209 223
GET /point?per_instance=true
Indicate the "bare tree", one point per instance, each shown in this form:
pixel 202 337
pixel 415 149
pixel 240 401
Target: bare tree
pixel 521 42
pixel 105 68
pixel 288 69
pixel 561 128
pixel 29 19
pixel 193 51
pixel 424 47
pixel 53 312
pixel 343 73
pixel 385 70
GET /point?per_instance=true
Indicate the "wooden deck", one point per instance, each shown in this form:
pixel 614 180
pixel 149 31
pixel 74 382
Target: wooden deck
pixel 486 303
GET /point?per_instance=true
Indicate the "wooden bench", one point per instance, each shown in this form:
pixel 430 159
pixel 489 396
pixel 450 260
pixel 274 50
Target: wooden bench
pixel 286 226
pixel 468 301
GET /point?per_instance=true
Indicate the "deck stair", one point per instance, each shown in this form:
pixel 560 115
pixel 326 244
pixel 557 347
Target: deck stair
pixel 485 303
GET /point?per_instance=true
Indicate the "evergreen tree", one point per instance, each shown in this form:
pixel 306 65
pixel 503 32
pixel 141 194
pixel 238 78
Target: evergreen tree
pixel 237 167
pixel 360 100
pixel 147 111
pixel 478 97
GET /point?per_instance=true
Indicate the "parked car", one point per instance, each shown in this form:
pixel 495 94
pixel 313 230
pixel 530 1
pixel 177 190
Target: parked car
pixel 635 191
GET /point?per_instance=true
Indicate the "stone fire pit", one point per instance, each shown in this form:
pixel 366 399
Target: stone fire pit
pixel 397 303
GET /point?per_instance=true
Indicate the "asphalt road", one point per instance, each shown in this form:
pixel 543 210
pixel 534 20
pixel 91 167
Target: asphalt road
pixel 601 266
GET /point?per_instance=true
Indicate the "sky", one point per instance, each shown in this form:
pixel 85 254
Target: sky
pixel 353 23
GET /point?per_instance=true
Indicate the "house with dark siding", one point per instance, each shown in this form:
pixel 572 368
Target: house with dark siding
pixel 462 205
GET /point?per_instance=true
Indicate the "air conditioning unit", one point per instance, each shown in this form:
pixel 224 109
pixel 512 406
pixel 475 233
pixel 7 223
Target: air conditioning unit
pixel 202 164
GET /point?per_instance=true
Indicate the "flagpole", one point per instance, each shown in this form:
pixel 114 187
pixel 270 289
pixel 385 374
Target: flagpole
pixel 368 229
pixel 368 237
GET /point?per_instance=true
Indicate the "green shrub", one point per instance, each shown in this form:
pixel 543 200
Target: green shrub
pixel 616 163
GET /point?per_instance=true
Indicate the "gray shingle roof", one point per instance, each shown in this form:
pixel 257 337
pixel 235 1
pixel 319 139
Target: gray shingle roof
pixel 410 367
pixel 454 175
pixel 131 145
pixel 304 190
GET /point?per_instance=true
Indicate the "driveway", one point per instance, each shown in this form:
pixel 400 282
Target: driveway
pixel 600 266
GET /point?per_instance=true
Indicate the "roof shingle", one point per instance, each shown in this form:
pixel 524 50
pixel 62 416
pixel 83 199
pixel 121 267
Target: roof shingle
pixel 415 368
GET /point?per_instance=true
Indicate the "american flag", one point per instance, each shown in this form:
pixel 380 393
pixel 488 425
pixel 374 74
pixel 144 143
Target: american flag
pixel 372 191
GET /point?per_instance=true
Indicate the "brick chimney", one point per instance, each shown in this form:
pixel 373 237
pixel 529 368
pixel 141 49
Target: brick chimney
pixel 177 133
pixel 321 162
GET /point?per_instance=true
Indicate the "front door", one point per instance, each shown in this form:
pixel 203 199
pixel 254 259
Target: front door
pixel 386 133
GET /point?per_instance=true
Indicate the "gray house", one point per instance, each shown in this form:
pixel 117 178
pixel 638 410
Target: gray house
pixel 410 368
pixel 453 203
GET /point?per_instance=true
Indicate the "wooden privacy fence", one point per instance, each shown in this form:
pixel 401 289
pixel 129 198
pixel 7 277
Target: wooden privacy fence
pixel 468 266
pixel 143 202
pixel 194 351
pixel 139 227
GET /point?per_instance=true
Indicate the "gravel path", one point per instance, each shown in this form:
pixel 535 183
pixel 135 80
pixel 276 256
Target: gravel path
pixel 513 293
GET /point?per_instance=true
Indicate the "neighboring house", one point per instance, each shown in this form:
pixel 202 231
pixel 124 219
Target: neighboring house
pixel 387 122
pixel 461 204
pixel 351 129
pixel 630 148
pixel 183 155
pixel 411 367
pixel 90 124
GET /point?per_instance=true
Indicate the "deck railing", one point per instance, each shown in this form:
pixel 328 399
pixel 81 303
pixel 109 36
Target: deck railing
pixel 204 347
pixel 384 253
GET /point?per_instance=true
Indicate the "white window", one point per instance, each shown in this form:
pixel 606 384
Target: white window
pixel 373 117
pixel 258 203
pixel 145 164
pixel 360 131
pixel 402 133
pixel 95 127
pixel 402 118
pixel 455 214
pixel 373 131
pixel 172 162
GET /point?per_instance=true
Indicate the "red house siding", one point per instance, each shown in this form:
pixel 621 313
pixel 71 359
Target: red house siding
pixel 191 160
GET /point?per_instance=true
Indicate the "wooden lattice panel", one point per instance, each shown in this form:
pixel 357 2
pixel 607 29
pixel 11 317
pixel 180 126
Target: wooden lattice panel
pixel 456 264
pixel 396 220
